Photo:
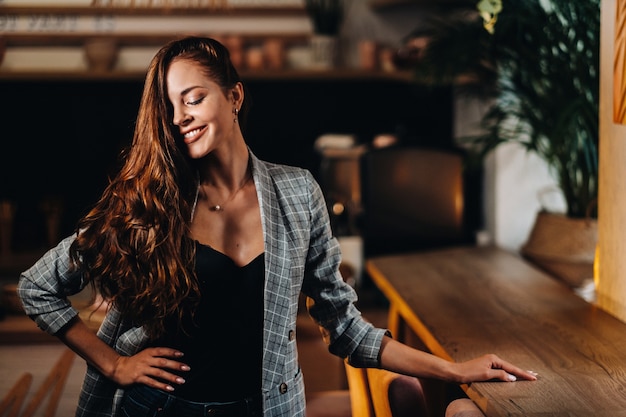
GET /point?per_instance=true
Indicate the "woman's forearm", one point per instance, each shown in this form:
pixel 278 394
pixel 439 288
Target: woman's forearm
pixel 82 340
pixel 403 359
pixel 397 357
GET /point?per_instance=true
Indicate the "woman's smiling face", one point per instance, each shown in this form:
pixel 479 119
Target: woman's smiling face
pixel 202 110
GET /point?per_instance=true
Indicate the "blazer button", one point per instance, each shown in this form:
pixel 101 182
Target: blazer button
pixel 283 388
pixel 292 335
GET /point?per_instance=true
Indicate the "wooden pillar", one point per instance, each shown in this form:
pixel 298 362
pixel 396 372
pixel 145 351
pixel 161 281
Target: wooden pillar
pixel 610 271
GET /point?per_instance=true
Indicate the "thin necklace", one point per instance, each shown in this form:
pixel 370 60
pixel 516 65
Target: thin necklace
pixel 219 207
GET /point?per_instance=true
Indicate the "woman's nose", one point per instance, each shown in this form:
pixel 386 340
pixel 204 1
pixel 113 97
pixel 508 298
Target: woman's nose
pixel 181 118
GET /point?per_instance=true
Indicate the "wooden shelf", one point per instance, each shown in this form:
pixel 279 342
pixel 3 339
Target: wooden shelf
pixel 26 26
pixel 282 75
pixel 155 11
pixel 128 39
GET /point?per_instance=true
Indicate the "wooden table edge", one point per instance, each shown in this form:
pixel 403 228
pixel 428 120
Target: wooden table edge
pixel 399 308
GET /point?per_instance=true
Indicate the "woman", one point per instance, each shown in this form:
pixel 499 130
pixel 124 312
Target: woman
pixel 202 251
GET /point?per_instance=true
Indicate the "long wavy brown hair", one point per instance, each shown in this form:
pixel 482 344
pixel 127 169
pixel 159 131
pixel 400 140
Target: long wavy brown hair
pixel 133 246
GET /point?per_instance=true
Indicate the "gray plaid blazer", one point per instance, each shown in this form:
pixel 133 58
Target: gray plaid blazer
pixel 300 255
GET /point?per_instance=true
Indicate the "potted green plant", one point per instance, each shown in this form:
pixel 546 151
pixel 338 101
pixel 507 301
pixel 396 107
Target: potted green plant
pixel 537 62
pixel 326 18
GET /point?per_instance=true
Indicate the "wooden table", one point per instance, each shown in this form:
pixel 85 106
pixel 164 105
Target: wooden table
pixel 464 302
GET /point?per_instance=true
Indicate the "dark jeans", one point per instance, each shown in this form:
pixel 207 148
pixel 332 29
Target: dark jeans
pixel 143 401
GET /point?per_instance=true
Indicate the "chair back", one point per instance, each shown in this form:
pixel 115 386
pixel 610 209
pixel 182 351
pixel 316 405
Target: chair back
pixel 360 400
pixel 413 198
pixel 396 395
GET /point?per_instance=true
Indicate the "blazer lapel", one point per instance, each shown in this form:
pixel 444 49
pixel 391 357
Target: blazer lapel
pixel 277 285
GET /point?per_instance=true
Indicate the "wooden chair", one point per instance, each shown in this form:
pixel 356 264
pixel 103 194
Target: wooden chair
pixel 413 198
pixel 396 395
pixel 352 402
pixel 51 387
pixel 359 390
pixel 371 393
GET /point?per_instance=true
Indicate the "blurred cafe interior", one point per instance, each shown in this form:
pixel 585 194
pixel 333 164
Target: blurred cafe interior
pixel 344 101
pixel 71 116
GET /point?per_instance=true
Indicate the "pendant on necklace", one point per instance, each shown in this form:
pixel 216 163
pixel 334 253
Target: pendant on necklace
pixel 220 207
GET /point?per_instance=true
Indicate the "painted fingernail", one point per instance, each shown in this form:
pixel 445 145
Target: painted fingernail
pixel 511 377
pixel 180 381
pixel 169 388
pixel 185 368
pixel 179 354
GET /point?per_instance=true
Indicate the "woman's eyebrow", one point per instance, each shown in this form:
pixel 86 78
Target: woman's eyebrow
pixel 189 89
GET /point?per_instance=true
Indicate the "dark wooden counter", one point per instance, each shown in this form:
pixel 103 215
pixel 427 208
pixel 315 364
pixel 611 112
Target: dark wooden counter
pixel 464 302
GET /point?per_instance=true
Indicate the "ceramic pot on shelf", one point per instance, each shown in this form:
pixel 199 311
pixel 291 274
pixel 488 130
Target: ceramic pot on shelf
pixel 324 51
pixel 101 54
pixel 274 50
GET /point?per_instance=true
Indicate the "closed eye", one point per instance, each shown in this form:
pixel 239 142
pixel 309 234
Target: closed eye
pixel 194 102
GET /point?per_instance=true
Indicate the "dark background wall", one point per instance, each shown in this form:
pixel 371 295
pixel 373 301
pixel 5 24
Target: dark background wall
pixel 62 138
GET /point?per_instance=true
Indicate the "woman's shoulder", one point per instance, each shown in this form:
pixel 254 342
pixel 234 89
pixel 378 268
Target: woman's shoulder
pixel 282 172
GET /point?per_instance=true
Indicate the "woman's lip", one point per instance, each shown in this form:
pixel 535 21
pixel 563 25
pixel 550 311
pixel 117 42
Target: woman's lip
pixel 193 135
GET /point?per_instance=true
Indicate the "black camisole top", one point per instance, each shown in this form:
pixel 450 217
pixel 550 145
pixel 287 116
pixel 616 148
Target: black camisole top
pixel 223 341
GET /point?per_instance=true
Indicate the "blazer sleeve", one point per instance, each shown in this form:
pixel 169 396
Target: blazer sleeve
pixel 44 287
pixel 332 307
